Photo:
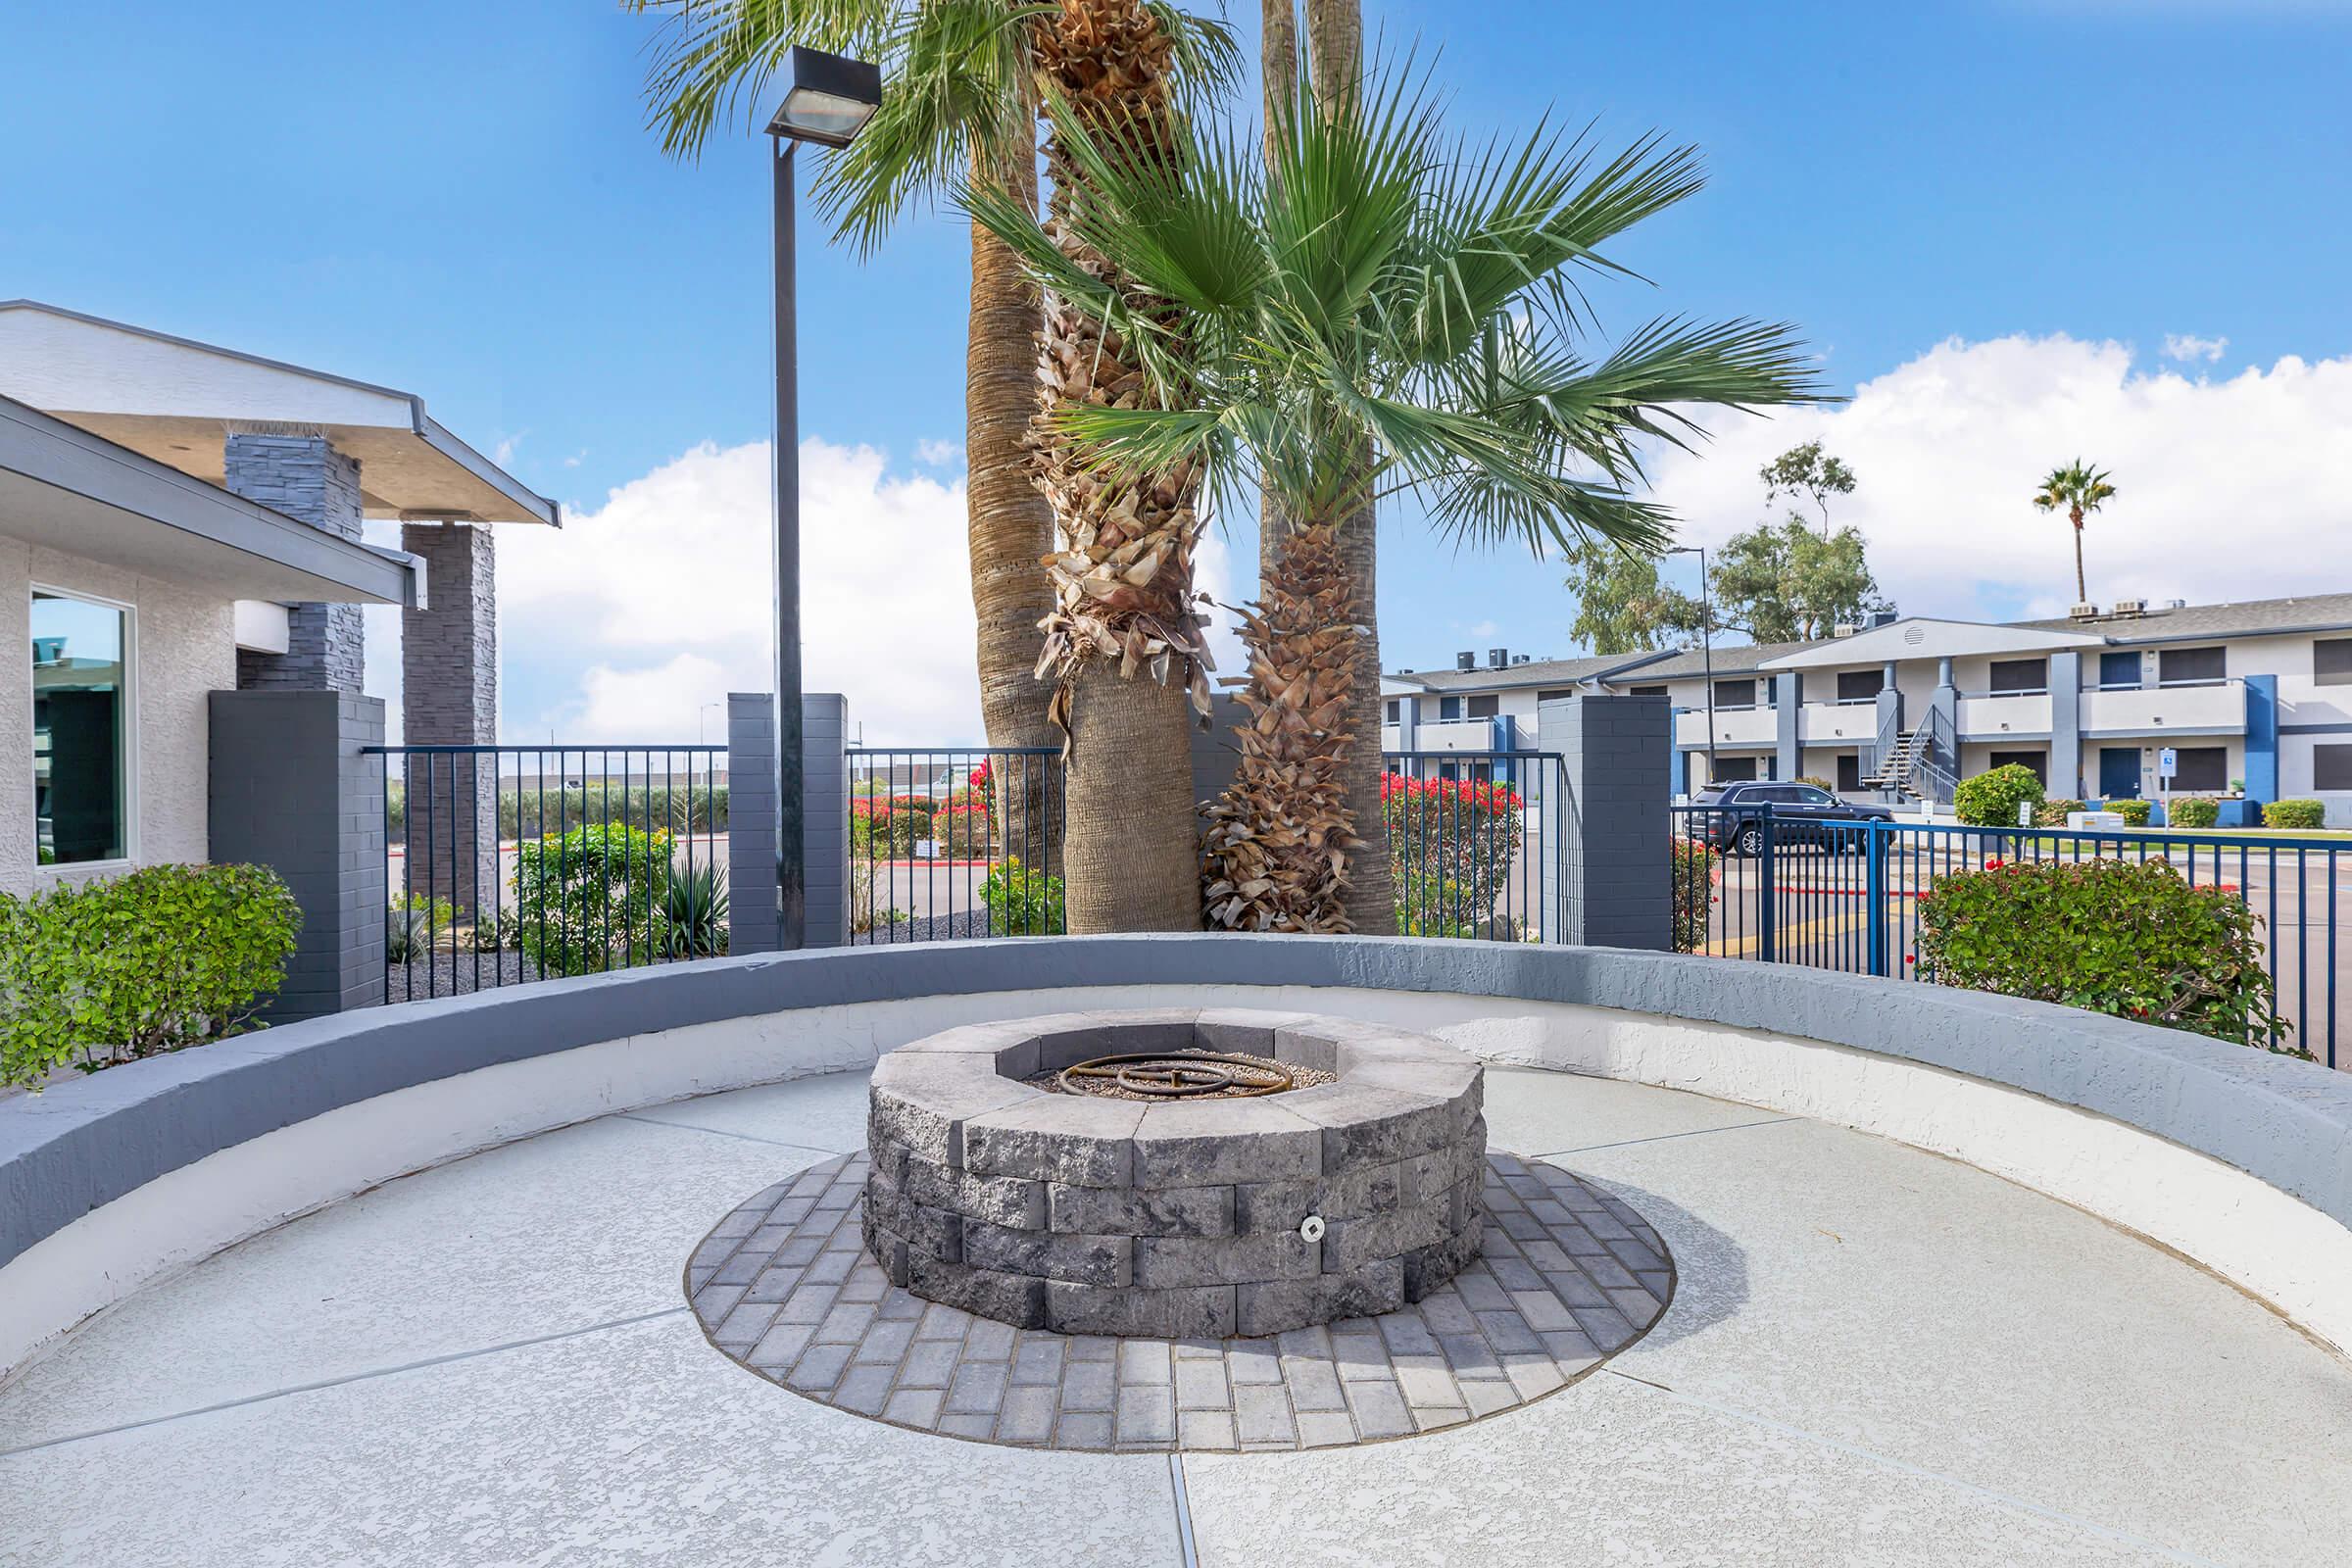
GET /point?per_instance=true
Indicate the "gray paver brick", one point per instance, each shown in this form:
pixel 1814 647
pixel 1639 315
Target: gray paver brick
pixel 929 1364
pixel 1088 1386
pixel 885 1342
pixel 1314 1383
pixel 1027 1415
pixel 864 1388
pixel 1146 1413
pixel 915 1407
pixel 1038 1360
pixel 1263 1413
pixel 978 1388
pixel 1144 1361
pixel 1325 1429
pixel 1200 1384
pixel 1379 1409
pixel 1253 1361
pixel 820 1367
pixel 1086 1429
pixel 1426 1382
pixel 1206 1429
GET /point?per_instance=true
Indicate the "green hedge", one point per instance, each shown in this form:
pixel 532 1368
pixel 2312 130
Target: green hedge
pixel 531 812
pixel 2193 810
pixel 2134 813
pixel 1991 799
pixel 100 973
pixel 592 899
pixel 2296 814
pixel 2128 938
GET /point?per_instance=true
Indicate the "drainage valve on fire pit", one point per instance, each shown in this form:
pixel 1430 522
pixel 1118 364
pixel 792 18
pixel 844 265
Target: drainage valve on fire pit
pixel 1311 1228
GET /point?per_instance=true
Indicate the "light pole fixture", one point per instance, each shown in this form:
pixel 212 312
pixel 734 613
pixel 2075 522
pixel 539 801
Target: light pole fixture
pixel 1706 641
pixel 829 101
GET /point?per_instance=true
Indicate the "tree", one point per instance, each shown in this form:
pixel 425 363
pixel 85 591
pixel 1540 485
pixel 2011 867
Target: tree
pixel 1383 310
pixel 1622 605
pixel 961 100
pixel 1782 582
pixel 1807 471
pixel 2080 489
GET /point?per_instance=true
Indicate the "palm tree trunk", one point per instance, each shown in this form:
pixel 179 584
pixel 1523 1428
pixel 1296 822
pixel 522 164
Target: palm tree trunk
pixel 2082 587
pixel 1123 638
pixel 1009 525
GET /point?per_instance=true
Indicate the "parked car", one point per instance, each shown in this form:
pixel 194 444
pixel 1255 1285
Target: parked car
pixel 1802 814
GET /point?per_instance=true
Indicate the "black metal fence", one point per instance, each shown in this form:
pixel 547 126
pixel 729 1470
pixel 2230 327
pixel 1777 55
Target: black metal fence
pixel 1466 840
pixel 1843 894
pixel 509 863
pixel 955 842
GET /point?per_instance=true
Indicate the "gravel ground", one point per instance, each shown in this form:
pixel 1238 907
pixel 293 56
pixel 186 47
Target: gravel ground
pixel 960 926
pixel 445 975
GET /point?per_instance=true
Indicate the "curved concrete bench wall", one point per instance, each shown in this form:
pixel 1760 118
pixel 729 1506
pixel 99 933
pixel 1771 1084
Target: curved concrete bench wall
pixel 2238 1159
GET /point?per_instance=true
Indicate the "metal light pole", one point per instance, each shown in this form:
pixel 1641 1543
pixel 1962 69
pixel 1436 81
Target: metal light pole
pixel 830 100
pixel 1706 643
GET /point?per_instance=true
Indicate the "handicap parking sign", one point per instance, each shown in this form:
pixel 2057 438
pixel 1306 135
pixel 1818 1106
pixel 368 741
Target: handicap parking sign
pixel 2165 759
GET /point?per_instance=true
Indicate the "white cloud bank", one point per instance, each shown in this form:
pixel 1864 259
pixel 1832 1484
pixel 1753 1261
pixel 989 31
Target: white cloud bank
pixel 2237 488
pixel 657 602
pixel 2188 348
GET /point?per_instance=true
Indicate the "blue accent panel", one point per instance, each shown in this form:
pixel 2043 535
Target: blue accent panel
pixel 1503 736
pixel 1788 701
pixel 2262 737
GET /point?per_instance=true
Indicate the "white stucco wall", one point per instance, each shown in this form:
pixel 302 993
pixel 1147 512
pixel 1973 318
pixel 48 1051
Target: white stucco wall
pixel 182 647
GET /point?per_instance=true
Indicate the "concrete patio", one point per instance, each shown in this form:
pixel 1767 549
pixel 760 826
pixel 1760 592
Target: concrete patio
pixel 1873 1356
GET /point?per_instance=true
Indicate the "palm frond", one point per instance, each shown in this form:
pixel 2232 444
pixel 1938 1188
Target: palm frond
pixel 712 60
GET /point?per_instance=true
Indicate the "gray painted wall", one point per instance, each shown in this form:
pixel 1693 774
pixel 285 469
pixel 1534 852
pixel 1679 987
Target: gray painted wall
pixel 290 790
pixel 306 478
pixel 753 926
pixel 1607 878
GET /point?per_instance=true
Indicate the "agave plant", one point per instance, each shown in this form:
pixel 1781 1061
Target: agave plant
pixel 694 912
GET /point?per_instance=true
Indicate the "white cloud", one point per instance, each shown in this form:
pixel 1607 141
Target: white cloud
pixel 939 454
pixel 2233 488
pixel 508 445
pixel 2188 348
pixel 657 602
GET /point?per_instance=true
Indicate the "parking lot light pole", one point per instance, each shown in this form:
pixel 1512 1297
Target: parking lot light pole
pixel 830 100
pixel 1706 643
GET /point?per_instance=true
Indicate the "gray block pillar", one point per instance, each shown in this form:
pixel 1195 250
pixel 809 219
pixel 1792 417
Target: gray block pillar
pixel 307 479
pixel 752 922
pixel 753 926
pixel 1787 704
pixel 290 790
pixel 448 697
pixel 825 817
pixel 1216 758
pixel 1608 878
pixel 2066 727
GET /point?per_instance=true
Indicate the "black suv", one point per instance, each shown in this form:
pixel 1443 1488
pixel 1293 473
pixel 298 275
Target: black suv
pixel 1802 814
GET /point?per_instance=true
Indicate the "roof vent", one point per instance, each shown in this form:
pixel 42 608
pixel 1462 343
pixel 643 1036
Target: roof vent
pixel 1499 657
pixel 1841 629
pixel 1884 617
pixel 1465 660
pixel 2083 613
pixel 2130 606
pixel 1523 658
pixel 2176 604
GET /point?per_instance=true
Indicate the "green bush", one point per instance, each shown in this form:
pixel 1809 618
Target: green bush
pixel 2296 814
pixel 415 924
pixel 1693 892
pixel 162 958
pixel 2134 813
pixel 2193 810
pixel 592 899
pixel 1991 799
pixel 695 910
pixel 531 812
pixel 961 832
pixel 1022 902
pixel 2053 813
pixel 2130 938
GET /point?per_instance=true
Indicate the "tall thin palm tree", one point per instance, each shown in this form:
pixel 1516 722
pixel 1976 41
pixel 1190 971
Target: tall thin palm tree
pixel 960 103
pixel 1385 311
pixel 2081 490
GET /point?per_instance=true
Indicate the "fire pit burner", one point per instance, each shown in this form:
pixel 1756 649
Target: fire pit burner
pixel 1177 1075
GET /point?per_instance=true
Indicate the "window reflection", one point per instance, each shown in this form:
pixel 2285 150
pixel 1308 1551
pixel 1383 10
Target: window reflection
pixel 79 729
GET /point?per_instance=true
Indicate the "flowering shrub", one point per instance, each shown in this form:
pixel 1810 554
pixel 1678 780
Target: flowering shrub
pixel 2296 814
pixel 2128 938
pixel 592 899
pixel 1451 843
pixel 1022 901
pixel 2134 813
pixel 1693 892
pixel 2191 810
pixel 961 832
pixel 2053 812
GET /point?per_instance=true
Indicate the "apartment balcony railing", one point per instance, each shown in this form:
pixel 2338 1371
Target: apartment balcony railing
pixel 2219 706
pixel 1734 726
pixel 1444 735
pixel 1826 724
pixel 1989 717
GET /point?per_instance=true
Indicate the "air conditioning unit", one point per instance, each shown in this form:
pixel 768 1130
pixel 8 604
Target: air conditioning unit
pixel 2130 606
pixel 2176 604
pixel 2084 613
pixel 1498 659
pixel 1465 660
pixel 1523 658
pixel 1841 629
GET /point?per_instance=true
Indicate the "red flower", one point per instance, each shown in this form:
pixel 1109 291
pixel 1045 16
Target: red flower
pixel 1993 865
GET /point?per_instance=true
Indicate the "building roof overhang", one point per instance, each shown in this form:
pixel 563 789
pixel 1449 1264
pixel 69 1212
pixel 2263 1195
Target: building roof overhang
pixel 1917 637
pixel 65 489
pixel 174 400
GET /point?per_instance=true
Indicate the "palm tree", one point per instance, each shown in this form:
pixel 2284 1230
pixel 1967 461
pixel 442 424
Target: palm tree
pixel 2079 489
pixel 1380 312
pixel 961 101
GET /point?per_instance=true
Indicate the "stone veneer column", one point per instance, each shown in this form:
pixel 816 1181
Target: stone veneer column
pixel 306 478
pixel 1608 879
pixel 448 697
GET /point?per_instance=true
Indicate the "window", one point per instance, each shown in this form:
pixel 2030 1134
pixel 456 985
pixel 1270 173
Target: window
pixel 1734 694
pixel 2189 667
pixel 2331 661
pixel 1485 706
pixel 1648 691
pixel 1556 694
pixel 2200 767
pixel 2332 768
pixel 1860 685
pixel 2020 675
pixel 1734 769
pixel 2037 763
pixel 1849 772
pixel 1449 708
pixel 1395 706
pixel 2119 673
pixel 80 730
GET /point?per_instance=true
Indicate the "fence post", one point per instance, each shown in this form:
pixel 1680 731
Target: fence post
pixel 825 817
pixel 752 922
pixel 289 787
pixel 1608 871
pixel 1874 881
pixel 1768 898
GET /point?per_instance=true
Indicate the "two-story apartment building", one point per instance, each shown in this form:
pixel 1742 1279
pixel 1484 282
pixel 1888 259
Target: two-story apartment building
pixel 2243 696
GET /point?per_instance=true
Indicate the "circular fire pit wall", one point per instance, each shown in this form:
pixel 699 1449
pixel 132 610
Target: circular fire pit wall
pixel 1237 1173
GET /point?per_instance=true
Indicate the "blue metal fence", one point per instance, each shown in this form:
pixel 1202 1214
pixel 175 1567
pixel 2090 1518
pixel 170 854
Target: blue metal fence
pixel 1843 894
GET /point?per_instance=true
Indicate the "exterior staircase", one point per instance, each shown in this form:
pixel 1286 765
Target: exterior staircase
pixel 1900 764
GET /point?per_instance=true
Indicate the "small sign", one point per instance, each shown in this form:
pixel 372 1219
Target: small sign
pixel 2167 762
pixel 2025 814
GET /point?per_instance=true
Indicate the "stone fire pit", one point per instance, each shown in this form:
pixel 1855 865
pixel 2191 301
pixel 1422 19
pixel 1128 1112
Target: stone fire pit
pixel 1170 1216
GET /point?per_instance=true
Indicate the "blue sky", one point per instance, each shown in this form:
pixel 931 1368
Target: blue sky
pixel 475 212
